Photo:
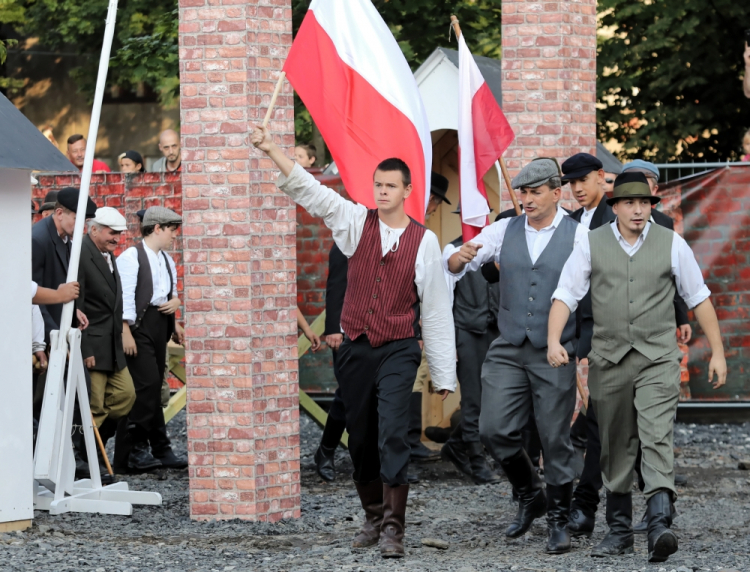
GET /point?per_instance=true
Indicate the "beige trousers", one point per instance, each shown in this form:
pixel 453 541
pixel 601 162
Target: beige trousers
pixel 636 398
pixel 112 395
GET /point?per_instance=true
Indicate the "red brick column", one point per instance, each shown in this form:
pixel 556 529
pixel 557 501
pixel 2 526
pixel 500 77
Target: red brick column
pixel 549 79
pixel 240 258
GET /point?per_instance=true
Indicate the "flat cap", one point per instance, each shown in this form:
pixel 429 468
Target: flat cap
pixel 111 217
pixel 49 201
pixel 580 165
pixel 639 165
pixel 68 197
pixel 160 215
pixel 33 208
pixel 140 214
pixel 536 173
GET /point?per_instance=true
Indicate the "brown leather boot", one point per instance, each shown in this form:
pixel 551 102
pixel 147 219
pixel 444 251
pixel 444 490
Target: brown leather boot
pixel 371 497
pixel 394 515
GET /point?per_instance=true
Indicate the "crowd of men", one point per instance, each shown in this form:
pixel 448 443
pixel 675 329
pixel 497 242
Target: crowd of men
pixel 125 307
pixel 609 284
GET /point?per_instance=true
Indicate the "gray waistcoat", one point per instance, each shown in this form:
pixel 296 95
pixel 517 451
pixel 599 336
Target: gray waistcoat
pixel 475 303
pixel 632 296
pixel 526 288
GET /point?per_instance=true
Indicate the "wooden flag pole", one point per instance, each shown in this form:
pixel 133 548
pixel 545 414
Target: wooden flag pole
pixel 503 168
pixel 276 91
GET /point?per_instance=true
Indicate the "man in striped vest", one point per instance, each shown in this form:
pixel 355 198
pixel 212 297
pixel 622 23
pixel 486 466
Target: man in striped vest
pixel 516 378
pixel 394 268
pixel 633 266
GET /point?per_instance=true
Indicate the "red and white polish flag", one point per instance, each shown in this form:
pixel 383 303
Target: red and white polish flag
pixel 351 74
pixel 483 136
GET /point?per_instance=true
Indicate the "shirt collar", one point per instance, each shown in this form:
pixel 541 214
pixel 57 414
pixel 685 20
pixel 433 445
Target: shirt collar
pixel 156 252
pixel 555 222
pixel 620 238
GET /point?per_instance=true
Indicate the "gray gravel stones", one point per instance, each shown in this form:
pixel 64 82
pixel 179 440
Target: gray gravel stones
pixel 713 524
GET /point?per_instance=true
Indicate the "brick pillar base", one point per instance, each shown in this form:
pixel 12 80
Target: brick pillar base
pixel 549 79
pixel 240 264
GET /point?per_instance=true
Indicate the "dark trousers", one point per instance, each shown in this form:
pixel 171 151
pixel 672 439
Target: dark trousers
pixel 147 371
pixel 336 412
pixel 376 386
pixel 472 349
pixel 586 495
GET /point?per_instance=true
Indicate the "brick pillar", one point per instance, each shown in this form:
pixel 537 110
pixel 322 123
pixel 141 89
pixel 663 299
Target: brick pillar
pixel 239 253
pixel 549 79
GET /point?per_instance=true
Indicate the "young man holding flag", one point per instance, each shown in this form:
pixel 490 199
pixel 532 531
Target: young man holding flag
pixel 516 378
pixel 394 268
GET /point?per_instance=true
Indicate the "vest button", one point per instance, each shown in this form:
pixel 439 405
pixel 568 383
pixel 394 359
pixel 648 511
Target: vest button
pixel 367 328
pixel 533 283
pixel 529 314
pixel 632 343
pixel 528 329
pixel 631 260
pixel 378 279
pixel 369 311
pixel 374 295
pixel 631 279
pixel 382 262
pixel 534 269
pixel 531 298
pixel 631 323
pixel 631 301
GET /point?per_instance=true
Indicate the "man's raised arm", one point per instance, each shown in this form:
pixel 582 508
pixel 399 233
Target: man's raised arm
pixel 263 140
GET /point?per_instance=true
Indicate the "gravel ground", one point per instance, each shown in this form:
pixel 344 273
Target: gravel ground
pixel 713 524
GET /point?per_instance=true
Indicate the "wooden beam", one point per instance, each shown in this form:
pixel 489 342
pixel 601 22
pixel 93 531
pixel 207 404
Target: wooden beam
pixel 15 525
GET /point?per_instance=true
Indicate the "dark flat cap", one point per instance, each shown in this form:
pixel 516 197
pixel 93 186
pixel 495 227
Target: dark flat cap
pixel 632 185
pixel 160 215
pixel 580 165
pixel 49 201
pixel 536 173
pixel 439 186
pixel 68 197
pixel 140 214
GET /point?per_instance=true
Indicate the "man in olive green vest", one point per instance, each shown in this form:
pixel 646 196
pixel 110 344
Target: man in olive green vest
pixel 633 267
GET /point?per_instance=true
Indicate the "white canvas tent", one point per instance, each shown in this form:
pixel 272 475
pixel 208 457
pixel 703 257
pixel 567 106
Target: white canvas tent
pixel 23 149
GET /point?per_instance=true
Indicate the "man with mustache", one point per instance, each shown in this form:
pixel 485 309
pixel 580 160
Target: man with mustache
pixel 516 378
pixel 112 391
pixel 633 267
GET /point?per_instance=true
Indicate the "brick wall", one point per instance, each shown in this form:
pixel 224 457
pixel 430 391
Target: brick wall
pixel 240 267
pixel 549 79
pixel 714 211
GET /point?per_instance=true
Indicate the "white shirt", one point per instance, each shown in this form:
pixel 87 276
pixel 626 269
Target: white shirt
pixel 108 257
pixel 586 217
pixel 127 265
pixel 37 324
pixel 575 279
pixel 347 222
pixel 491 238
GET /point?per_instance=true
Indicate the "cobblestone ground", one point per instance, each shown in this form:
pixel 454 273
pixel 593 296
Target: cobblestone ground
pixel 713 524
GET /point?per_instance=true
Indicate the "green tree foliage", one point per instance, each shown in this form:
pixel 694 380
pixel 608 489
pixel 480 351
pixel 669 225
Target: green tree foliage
pixel 144 48
pixel 669 84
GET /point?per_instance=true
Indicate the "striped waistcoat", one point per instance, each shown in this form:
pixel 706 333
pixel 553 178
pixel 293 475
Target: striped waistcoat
pixel 381 298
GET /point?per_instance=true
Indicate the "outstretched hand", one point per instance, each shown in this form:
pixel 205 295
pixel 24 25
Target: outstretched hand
pixel 468 252
pixel 262 138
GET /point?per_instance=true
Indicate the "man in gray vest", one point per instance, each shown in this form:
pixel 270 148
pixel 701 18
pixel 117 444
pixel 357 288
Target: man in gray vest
pixel 475 304
pixel 516 378
pixel 632 267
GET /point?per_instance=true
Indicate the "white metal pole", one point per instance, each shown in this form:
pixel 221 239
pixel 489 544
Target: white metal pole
pixel 88 165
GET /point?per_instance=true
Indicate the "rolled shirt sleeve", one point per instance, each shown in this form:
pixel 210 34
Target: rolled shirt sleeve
pixel 687 274
pixel 575 278
pixel 491 238
pixel 437 316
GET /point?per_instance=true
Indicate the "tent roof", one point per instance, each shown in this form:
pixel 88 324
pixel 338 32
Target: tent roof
pixel 24 147
pixel 491 71
pixel 611 163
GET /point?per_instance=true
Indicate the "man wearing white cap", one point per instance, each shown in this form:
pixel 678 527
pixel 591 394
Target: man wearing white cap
pixel 112 392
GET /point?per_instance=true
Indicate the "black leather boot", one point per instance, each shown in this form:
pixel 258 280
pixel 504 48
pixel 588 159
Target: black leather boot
pixel 123 443
pixel 419 453
pixel 438 434
pixel 324 463
pixel 642 527
pixel 394 519
pixel 161 446
pixel 481 473
pixel 371 497
pixel 455 452
pixel 662 542
pixel 581 523
pixel 141 460
pixel 532 502
pixel 79 452
pixel 619 539
pixel 559 498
